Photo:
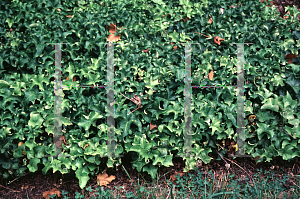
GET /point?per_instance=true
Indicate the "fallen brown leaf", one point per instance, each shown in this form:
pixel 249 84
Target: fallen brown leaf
pixel 152 126
pixel 64 140
pixel 218 40
pixel 19 144
pixel 112 28
pixel 210 75
pixel 185 19
pixel 210 20
pixel 103 179
pixel 290 58
pixel 146 51
pixel 173 176
pixel 174 47
pixel 285 17
pixel 51 192
pixel 113 38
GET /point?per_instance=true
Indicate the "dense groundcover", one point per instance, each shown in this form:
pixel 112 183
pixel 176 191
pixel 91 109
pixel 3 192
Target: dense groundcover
pixel 149 61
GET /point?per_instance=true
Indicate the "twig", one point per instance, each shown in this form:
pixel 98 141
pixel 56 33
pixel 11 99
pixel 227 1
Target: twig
pixel 17 178
pixel 240 167
pixel 136 99
pixel 224 160
pixel 9 188
pixel 237 165
pixel 285 132
pixel 203 34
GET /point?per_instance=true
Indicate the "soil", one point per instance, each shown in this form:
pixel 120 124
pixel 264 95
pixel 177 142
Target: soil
pixel 32 185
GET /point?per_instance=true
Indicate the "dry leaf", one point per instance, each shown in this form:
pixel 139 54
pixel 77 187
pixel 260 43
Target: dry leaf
pixel 152 126
pixel 198 163
pixel 210 75
pixel 19 144
pixel 51 192
pixel 112 28
pixel 256 158
pixel 210 20
pixel 102 4
pixel 218 40
pixel 112 38
pixel 285 17
pixel 146 51
pixel 26 187
pixel 222 10
pixel 290 58
pixel 69 16
pixel 64 140
pixel 243 177
pixel 86 145
pixel 173 176
pixel 67 78
pixel 227 166
pixel 185 19
pixel 103 179
pixel 174 47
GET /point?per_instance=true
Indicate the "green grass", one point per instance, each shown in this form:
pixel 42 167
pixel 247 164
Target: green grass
pixel 201 186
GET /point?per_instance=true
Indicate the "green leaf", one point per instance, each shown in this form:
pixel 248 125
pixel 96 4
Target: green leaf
pixel 142 146
pixel 224 61
pixel 264 128
pixel 160 2
pixel 82 175
pixel 161 127
pixel 138 164
pixel 6 165
pixel 35 119
pixel 174 36
pixel 87 122
pixel 39 80
pixel 264 116
pixel 215 126
pixel 288 43
pixel 168 161
pixel 151 83
pixel 184 37
pixel 9 22
pixel 4 84
pixel 176 108
pixel 271 104
pixel 17 87
pixel 151 170
pixel 294 83
pixel 277 80
pixel 126 124
pixel 39 49
pixel 32 166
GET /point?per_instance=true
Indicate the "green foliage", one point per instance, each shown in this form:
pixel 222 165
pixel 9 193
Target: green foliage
pixel 27 79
